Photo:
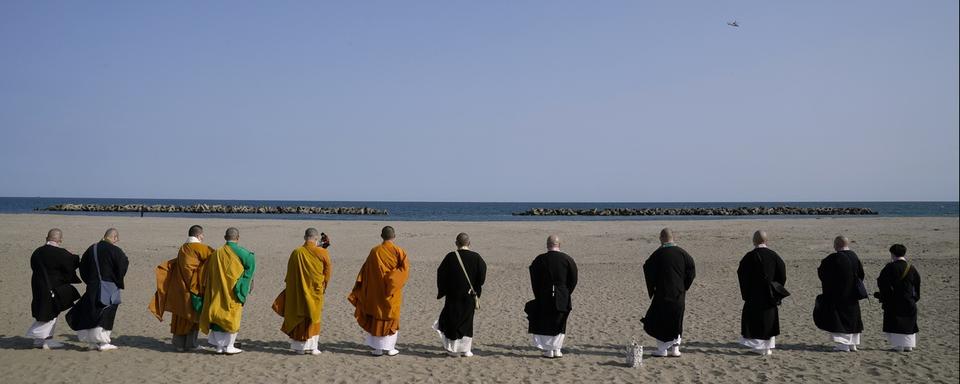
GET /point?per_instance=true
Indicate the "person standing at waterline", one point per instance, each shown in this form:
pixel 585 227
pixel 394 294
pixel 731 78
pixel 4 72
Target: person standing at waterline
pixel 899 291
pixel 837 310
pixel 460 279
pixel 760 319
pixel 92 317
pixel 53 269
pixel 378 294
pixel 669 273
pixel 553 277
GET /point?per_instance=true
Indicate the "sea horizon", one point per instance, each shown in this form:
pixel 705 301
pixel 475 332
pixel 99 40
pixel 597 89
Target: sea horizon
pixel 475 211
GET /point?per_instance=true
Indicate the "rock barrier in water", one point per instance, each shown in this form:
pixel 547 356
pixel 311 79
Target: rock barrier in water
pixel 739 211
pixel 214 208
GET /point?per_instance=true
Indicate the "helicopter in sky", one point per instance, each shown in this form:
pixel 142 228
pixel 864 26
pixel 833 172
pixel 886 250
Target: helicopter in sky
pixel 733 24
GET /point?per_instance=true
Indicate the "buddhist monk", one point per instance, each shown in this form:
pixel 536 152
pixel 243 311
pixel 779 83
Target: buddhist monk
pixel 553 278
pixel 761 275
pixel 899 291
pixel 54 273
pixel 837 310
pixel 308 272
pixel 378 294
pixel 460 279
pixel 92 317
pixel 178 286
pixel 669 273
pixel 227 278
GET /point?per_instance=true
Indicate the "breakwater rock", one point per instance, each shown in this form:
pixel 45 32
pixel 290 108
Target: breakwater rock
pixel 739 211
pixel 214 208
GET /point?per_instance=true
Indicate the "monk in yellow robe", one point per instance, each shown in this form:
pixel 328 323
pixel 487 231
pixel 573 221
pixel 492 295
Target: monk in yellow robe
pixel 308 272
pixel 178 286
pixel 378 294
pixel 227 278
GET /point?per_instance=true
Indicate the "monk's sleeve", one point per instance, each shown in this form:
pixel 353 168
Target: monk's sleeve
pixel 442 278
pixel 572 275
pixel 691 271
pixel 397 278
pixel 481 277
pixel 69 270
pixel 122 264
pixel 327 269
pixel 242 289
pixel 916 286
pixel 648 276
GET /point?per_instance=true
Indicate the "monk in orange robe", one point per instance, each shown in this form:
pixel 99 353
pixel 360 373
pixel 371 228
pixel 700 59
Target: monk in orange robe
pixel 178 285
pixel 301 302
pixel 378 294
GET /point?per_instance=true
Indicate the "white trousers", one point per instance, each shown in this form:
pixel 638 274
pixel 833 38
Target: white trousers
pixel 845 338
pixel 310 344
pixel 463 344
pixel 42 329
pixel 549 343
pixel 385 343
pixel 94 335
pixel 902 341
pixel 221 339
pixel 770 343
pixel 663 346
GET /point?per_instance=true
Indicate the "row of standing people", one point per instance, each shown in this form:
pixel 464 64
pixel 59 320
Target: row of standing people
pixel 205 290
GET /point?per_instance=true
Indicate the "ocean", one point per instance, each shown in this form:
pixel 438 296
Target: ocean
pixel 467 211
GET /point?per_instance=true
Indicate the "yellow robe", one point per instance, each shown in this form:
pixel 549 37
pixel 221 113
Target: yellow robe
pixel 176 280
pixel 378 292
pixel 220 304
pixel 308 271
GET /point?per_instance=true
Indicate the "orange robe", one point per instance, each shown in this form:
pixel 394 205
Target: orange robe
pixel 378 292
pixel 308 272
pixel 176 280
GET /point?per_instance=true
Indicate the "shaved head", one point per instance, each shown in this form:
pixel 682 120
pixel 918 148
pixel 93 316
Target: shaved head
pixel 463 240
pixel 840 242
pixel 759 237
pixel 387 233
pixel 311 234
pixel 55 235
pixel 112 235
pixel 232 234
pixel 666 236
pixel 553 242
pixel 195 230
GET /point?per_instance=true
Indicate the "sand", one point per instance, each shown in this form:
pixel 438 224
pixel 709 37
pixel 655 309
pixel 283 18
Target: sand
pixel 608 304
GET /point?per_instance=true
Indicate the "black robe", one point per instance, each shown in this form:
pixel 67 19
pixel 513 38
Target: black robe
pixel 61 269
pixel 838 309
pixel 760 318
pixel 899 294
pixel 669 272
pixel 456 318
pixel 89 312
pixel 553 277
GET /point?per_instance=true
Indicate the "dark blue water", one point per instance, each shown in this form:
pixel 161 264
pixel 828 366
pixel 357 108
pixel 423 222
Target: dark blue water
pixel 426 211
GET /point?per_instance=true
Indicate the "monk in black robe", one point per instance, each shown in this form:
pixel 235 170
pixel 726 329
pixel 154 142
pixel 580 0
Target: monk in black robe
pixel 54 270
pixel 837 310
pixel 760 320
pixel 899 291
pixel 669 272
pixel 461 287
pixel 553 277
pixel 92 319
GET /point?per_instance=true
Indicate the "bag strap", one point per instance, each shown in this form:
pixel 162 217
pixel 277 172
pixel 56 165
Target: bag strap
pixel 905 271
pixel 464 269
pixel 96 260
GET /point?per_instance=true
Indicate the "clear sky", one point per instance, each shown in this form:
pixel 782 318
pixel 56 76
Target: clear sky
pixel 481 100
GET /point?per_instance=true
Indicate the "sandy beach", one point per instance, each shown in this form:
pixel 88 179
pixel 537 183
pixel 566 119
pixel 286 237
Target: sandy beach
pixel 608 304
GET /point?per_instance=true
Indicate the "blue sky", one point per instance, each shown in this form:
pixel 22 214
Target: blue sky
pixel 481 101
